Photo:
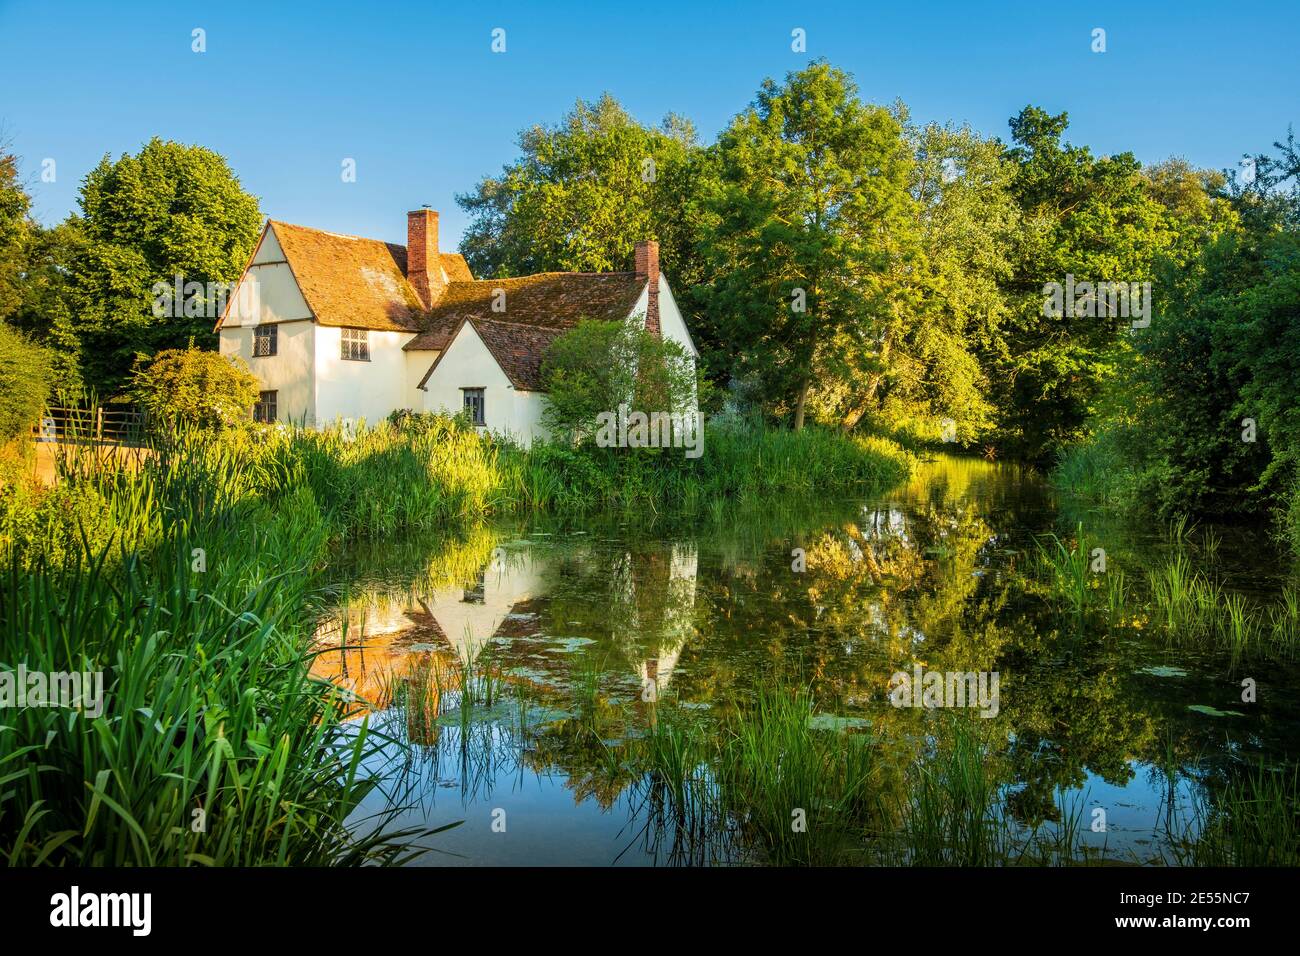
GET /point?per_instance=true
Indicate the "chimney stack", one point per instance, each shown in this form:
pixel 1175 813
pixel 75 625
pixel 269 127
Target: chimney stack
pixel 423 264
pixel 647 270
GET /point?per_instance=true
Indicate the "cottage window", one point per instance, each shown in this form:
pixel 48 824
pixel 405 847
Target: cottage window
pixel 474 405
pixel 356 345
pixel 476 594
pixel 266 407
pixel 265 341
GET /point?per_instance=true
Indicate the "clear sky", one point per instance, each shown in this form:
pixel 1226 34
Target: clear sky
pixel 414 94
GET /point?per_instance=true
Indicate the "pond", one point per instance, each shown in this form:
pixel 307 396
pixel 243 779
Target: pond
pixel 513 674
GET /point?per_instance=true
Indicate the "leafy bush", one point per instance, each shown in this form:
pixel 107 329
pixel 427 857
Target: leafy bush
pixel 194 387
pixel 25 376
pixel 598 366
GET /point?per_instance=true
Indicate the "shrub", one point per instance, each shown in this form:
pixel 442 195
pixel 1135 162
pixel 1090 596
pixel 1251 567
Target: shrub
pixel 597 366
pixel 194 387
pixel 25 375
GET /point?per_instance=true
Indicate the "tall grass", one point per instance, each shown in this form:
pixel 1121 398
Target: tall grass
pixel 1254 821
pixel 192 581
pixel 803 796
pixel 214 745
pixel 1103 469
pixel 952 815
pixel 748 465
pixel 1069 571
pixel 1183 601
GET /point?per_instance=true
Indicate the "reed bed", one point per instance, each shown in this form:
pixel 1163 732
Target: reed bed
pixel 1185 604
pixel 192 582
pixel 211 744
pixel 1253 821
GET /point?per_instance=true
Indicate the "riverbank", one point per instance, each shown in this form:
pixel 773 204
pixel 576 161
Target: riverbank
pixel 1115 469
pixel 193 586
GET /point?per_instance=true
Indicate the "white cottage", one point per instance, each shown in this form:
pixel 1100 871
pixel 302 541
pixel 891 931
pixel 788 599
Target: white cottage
pixel 339 327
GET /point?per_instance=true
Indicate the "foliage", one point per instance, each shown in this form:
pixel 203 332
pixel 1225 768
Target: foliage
pixel 813 217
pixel 1201 417
pixel 582 193
pixel 1097 219
pixel 597 366
pixel 15 228
pixel 196 388
pixel 170 210
pixel 208 712
pixel 967 220
pixel 25 378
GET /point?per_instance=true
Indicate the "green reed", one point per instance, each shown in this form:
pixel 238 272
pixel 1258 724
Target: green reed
pixel 1068 568
pixel 1252 821
pixel 951 813
pixel 215 745
pixel 1184 603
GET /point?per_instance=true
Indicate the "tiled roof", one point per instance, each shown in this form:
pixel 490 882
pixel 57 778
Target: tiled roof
pixel 361 283
pixel 355 282
pixel 517 349
pixel 548 300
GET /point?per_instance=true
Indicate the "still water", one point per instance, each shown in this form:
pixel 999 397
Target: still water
pixel 580 636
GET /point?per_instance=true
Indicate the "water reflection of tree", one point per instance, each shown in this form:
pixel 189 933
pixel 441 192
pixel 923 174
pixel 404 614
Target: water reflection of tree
pixel 705 615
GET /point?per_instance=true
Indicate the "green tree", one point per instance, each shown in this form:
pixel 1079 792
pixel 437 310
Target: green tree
pixel 812 221
pixel 967 218
pixel 15 229
pixel 597 366
pixel 196 388
pixel 1083 216
pixel 582 193
pixel 25 379
pixel 1223 350
pixel 171 210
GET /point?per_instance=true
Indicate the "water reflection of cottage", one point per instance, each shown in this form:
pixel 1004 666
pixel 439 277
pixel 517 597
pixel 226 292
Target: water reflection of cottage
pixel 676 623
pixel 468 618
pixel 391 642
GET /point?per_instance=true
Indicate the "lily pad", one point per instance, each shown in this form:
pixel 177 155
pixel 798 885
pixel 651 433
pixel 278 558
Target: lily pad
pixel 477 715
pixel 836 722
pixel 567 645
pixel 1162 671
pixel 1214 711
pixel 537 715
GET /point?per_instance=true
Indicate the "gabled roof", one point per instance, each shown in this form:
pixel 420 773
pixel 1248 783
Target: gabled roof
pixel 517 349
pixel 548 300
pixel 355 282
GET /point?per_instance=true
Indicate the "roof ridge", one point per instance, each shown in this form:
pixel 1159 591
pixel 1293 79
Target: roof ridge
pixel 534 275
pixel 348 235
pixel 327 232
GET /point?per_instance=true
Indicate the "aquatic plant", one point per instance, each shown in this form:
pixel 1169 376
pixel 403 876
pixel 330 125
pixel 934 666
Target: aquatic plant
pixel 211 744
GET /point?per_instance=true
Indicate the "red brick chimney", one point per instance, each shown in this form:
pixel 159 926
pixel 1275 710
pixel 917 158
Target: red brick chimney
pixel 423 265
pixel 647 270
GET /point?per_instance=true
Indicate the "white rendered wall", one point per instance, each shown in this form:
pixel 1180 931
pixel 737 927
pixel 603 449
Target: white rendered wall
pixel 467 363
pixel 347 389
pixel 289 372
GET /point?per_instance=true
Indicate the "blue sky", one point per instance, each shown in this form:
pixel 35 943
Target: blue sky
pixel 415 95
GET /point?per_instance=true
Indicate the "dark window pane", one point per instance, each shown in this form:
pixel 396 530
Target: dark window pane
pixel 265 410
pixel 474 404
pixel 265 340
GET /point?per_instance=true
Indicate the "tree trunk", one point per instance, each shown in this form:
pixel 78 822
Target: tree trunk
pixel 801 403
pixel 851 420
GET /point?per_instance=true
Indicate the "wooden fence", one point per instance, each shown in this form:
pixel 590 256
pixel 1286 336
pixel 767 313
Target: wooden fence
pixel 103 424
